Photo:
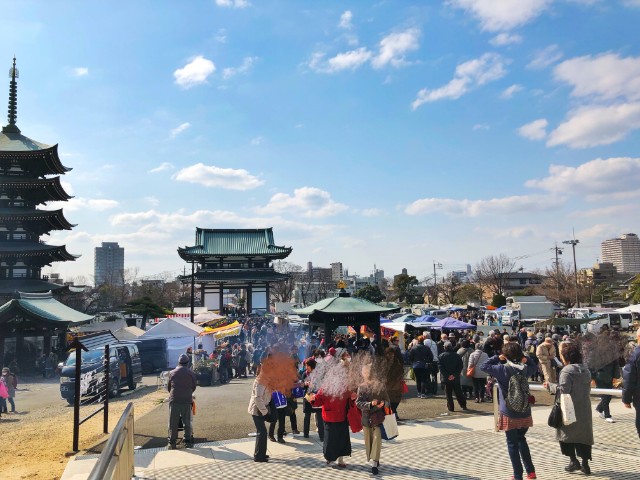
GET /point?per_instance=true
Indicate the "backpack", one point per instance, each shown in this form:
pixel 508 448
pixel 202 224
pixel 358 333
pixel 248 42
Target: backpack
pixel 517 397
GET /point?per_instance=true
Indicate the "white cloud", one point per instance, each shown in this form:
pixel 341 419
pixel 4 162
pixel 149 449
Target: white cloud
pixel 211 176
pixel 468 75
pixel 595 125
pixel 221 36
pixel 509 92
pixel 152 200
pixel 504 39
pixel 257 140
pixel 345 20
pixel 394 46
pixel 246 65
pixel 545 57
pixel 350 60
pixel 153 221
pixel 233 3
pixel 96 204
pixel 308 201
pixel 603 77
pixel 162 167
pixel 195 72
pixel 179 129
pixel 599 176
pixel 499 15
pixel 80 72
pixel 371 212
pixel 476 208
pixel 536 130
pixel 599 231
pixel 613 211
pixel 480 126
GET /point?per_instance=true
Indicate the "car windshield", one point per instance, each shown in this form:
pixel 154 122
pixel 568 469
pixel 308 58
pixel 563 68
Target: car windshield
pixel 92 356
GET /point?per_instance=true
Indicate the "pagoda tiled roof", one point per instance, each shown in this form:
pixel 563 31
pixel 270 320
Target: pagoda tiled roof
pixel 38 162
pixel 9 286
pixel 42 307
pixel 235 276
pixel 32 249
pixel 38 189
pixel 16 142
pixel 54 218
pixel 234 243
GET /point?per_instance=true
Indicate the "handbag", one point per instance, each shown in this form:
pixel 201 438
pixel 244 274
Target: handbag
pixel 389 428
pixel 405 387
pixel 279 400
pixel 354 417
pixel 555 416
pixel 4 393
pixel 471 371
pixel 272 416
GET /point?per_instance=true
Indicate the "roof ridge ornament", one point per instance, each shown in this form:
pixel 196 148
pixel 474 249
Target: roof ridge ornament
pixel 11 127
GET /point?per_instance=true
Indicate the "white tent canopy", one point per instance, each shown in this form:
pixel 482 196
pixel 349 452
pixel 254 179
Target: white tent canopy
pixel 128 333
pixel 629 309
pixel 173 327
pixel 180 335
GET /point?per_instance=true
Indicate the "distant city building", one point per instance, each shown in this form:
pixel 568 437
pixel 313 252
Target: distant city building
pixel 601 273
pixel 623 253
pixel 336 271
pixel 463 276
pixel 108 264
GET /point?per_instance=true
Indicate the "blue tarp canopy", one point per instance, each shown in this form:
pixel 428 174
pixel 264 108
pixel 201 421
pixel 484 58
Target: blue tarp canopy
pixel 425 318
pixel 453 324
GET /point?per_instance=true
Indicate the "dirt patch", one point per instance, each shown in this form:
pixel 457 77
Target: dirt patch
pixel 33 445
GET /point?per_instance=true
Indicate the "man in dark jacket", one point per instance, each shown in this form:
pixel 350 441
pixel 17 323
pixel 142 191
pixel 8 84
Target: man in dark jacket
pixel 421 358
pixel 450 364
pixel 181 385
pixel 631 378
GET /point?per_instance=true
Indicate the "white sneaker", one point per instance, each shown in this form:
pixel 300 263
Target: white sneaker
pixel 610 420
pixel 601 414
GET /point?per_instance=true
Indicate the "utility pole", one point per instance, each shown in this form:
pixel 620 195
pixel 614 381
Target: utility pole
pixel 435 279
pixel 193 290
pixel 558 252
pixel 573 244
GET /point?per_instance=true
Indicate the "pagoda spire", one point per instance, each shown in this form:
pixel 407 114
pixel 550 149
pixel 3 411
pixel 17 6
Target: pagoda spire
pixel 11 127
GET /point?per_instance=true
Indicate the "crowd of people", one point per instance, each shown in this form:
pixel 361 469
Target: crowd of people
pixel 334 376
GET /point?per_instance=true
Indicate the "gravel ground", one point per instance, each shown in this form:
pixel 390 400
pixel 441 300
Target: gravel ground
pixel 33 443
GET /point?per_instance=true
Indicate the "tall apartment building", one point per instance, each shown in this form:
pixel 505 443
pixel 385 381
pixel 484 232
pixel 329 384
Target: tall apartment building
pixel 108 263
pixel 336 271
pixel 623 252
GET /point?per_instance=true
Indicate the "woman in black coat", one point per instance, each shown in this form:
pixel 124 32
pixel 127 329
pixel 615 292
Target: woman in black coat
pixel 307 408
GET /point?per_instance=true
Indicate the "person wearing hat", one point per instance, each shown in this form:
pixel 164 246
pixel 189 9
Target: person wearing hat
pixel 181 385
pixel 546 353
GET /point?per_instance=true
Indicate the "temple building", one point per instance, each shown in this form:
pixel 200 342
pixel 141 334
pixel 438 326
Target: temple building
pixel 234 259
pixel 29 177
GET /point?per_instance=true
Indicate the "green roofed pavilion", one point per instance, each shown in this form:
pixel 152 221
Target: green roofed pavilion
pixel 343 311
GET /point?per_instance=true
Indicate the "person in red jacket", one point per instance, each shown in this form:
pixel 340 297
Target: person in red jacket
pixel 337 442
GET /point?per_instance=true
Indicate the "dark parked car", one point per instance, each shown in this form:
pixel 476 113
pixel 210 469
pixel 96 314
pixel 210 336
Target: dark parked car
pixel 125 371
pixel 153 354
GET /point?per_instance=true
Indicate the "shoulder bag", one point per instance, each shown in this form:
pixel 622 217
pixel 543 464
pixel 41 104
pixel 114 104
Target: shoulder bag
pixel 555 417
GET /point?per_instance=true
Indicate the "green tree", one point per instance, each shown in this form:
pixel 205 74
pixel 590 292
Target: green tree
pixel 633 295
pixel 371 293
pixel 404 287
pixel 499 300
pixel 144 306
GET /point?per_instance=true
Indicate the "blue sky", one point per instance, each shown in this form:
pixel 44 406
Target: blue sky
pixel 392 133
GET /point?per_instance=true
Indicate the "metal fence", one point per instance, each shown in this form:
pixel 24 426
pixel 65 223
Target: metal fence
pixel 539 388
pixel 116 462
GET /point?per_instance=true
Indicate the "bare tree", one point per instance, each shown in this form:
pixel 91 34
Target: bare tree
pixel 493 272
pixel 449 288
pixel 558 285
pixel 283 291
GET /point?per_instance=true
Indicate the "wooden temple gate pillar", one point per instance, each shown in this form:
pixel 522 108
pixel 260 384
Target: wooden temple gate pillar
pixel 3 335
pixel 46 347
pixel 249 302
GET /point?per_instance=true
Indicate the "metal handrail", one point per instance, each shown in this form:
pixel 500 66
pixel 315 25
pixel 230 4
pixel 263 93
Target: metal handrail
pixel 614 392
pixel 116 460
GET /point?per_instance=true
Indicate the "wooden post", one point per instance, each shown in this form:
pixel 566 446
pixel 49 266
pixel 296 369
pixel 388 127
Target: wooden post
pixel 107 371
pixel 496 405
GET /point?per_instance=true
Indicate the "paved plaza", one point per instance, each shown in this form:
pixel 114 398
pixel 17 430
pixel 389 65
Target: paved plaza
pixel 454 448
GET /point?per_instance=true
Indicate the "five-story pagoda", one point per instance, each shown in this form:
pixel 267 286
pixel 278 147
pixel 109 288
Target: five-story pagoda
pixel 29 177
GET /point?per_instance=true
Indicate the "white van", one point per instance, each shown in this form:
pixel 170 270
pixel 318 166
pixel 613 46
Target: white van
pixel 438 313
pixel 614 320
